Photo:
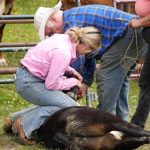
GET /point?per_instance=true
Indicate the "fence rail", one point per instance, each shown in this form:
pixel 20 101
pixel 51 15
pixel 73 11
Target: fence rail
pixel 8 70
pixel 16 44
pixel 14 47
pixel 11 17
pixel 7 81
pixel 16 19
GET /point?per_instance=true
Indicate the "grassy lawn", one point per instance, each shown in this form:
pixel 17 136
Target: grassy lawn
pixel 10 101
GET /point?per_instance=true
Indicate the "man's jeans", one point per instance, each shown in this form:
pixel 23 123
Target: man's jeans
pixel 47 101
pixel 112 77
pixel 143 107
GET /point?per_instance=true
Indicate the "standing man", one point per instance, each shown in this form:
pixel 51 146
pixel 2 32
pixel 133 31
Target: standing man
pixel 121 47
pixel 142 8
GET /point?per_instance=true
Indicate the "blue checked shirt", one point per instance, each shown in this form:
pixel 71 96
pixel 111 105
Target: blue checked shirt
pixel 111 23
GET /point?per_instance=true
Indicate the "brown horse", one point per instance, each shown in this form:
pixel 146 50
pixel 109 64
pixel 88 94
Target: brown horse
pixel 129 7
pixel 84 128
pixel 67 4
pixel 5 9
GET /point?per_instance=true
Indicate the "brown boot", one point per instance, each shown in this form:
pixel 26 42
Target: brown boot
pixel 8 122
pixel 18 129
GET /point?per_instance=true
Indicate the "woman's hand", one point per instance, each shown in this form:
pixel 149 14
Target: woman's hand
pixel 77 75
pixel 79 85
pixel 82 93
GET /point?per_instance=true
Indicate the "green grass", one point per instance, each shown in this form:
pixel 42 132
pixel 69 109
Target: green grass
pixel 10 101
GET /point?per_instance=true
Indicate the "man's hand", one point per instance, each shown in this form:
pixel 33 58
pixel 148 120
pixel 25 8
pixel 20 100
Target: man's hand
pixel 134 23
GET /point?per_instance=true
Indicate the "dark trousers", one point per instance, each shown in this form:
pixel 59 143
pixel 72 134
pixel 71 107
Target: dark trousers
pixel 143 107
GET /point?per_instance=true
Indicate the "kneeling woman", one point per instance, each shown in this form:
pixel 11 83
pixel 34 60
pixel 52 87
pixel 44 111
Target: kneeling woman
pixel 40 78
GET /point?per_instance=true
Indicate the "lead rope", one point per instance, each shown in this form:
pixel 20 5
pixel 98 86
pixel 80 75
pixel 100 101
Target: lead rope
pixel 136 42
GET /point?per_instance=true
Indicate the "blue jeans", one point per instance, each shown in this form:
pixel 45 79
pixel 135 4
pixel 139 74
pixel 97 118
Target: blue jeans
pixel 47 101
pixel 112 76
pixel 122 108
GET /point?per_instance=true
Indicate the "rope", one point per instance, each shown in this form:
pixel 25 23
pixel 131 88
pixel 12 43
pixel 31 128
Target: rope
pixel 137 49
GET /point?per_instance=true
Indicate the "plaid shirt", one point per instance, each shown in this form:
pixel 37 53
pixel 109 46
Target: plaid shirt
pixel 111 23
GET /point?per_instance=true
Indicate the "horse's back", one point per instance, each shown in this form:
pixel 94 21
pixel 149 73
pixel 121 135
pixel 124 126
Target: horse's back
pixel 101 2
pixel 128 7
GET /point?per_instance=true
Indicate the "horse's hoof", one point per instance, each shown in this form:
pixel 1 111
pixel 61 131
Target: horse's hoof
pixel 3 62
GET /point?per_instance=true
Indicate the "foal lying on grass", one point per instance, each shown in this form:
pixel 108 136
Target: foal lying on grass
pixel 86 128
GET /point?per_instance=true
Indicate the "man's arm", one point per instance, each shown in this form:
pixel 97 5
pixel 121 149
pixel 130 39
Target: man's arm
pixel 86 67
pixel 88 75
pixel 88 71
pixel 141 22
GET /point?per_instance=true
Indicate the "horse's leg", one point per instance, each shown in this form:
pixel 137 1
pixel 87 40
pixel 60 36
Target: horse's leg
pixel 2 9
pixel 81 128
pixel 2 60
pixel 62 138
pixel 107 142
pixel 7 7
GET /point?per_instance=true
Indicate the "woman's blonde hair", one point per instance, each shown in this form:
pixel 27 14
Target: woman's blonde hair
pixel 86 35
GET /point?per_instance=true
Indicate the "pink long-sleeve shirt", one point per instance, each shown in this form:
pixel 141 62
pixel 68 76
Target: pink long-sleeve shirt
pixel 50 59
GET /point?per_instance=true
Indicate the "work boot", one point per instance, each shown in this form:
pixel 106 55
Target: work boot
pixel 18 129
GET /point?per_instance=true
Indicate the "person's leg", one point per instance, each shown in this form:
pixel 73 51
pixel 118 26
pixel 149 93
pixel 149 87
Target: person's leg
pixel 109 83
pixel 143 107
pixel 122 108
pixel 33 90
pixel 78 65
pixel 116 64
pixel 32 120
pixel 23 111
